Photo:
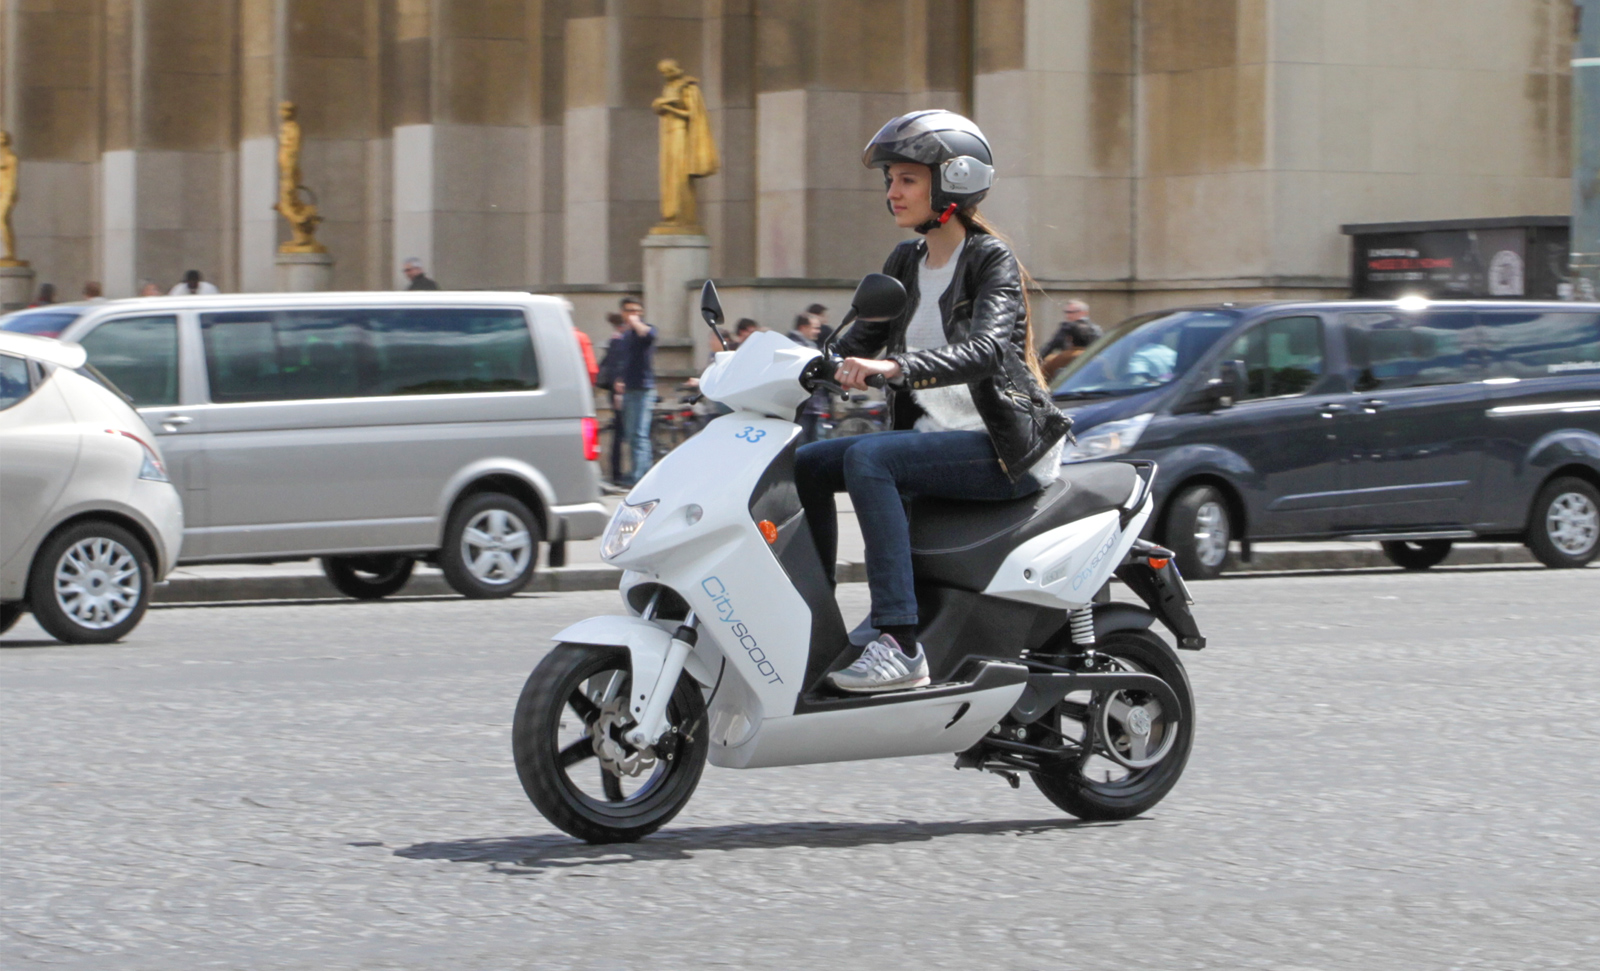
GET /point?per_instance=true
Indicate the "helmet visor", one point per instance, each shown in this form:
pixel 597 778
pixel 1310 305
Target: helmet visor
pixel 916 138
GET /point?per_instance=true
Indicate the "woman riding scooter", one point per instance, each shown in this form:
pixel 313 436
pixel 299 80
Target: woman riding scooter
pixel 969 414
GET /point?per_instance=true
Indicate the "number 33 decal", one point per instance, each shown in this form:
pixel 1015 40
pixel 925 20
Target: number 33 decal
pixel 751 434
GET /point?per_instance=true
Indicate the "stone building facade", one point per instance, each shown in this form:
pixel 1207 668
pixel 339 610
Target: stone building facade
pixel 1150 151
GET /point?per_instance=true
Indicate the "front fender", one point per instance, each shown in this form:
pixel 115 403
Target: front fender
pixel 647 645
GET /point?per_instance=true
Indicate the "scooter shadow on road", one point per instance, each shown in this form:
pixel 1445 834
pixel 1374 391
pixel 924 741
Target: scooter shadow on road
pixel 533 854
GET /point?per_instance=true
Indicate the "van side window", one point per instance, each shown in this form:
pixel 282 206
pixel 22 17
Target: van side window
pixel 139 355
pixel 279 355
pixel 1526 344
pixel 15 382
pixel 444 350
pixel 1282 356
pixel 363 352
pixel 1390 351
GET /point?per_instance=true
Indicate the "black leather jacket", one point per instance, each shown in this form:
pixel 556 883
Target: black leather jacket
pixel 986 325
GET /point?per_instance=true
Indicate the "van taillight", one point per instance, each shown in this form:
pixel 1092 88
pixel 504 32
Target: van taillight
pixel 591 440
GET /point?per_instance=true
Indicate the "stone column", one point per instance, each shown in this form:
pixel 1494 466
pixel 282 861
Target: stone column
pixel 671 263
pixel 304 272
pixel 16 287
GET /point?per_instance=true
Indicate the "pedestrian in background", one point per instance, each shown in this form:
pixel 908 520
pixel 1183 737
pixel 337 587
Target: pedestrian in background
pixel 148 288
pixel 586 346
pixel 742 331
pixel 1071 338
pixel 610 372
pixel 91 291
pixel 46 295
pixel 412 268
pixel 824 330
pixel 192 285
pixel 807 329
pixel 636 382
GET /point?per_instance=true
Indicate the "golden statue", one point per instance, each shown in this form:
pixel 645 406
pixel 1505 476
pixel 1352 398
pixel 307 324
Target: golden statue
pixel 301 213
pixel 687 150
pixel 8 202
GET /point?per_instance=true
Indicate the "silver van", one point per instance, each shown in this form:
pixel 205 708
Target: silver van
pixel 369 429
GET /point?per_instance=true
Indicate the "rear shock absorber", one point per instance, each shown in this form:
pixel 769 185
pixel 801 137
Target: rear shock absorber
pixel 1081 624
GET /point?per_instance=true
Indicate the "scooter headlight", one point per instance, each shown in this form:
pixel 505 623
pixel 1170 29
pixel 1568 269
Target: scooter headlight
pixel 625 523
pixel 1104 441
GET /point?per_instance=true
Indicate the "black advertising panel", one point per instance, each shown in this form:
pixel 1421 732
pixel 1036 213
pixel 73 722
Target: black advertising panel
pixel 1512 259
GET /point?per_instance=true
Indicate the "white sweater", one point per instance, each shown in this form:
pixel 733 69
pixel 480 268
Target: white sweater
pixel 950 408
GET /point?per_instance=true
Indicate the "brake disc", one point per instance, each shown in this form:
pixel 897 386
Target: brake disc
pixel 614 756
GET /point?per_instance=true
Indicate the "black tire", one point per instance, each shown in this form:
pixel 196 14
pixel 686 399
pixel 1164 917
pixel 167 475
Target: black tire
pixel 10 613
pixel 368 577
pixel 1193 522
pixel 111 589
pixel 1075 789
pixel 1564 524
pixel 1416 554
pixel 478 575
pixel 545 765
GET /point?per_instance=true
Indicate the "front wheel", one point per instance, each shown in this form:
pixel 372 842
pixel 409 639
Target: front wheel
pixel 567 737
pixel 1199 529
pixel 1129 752
pixel 1418 554
pixel 1564 527
pixel 368 577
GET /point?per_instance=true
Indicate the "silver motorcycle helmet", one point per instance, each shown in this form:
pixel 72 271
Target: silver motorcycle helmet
pixel 949 144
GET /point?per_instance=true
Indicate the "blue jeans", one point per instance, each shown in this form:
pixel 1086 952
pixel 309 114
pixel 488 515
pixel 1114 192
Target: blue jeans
pixel 638 414
pixel 877 470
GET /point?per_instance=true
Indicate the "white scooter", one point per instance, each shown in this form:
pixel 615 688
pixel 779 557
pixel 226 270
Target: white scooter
pixel 733 626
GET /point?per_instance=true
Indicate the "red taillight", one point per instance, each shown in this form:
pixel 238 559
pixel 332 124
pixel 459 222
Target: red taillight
pixel 591 440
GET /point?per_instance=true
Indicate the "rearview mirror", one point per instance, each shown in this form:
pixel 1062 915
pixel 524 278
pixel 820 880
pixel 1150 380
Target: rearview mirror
pixel 710 305
pixel 878 297
pixel 1230 385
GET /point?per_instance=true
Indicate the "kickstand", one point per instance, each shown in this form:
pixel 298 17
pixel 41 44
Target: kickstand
pixel 1011 777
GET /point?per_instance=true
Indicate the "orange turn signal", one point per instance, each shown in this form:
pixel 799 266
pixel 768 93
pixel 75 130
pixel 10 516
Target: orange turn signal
pixel 769 532
pixel 1156 563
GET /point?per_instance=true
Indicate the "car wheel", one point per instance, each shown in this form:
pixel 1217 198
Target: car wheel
pixel 1564 524
pixel 368 577
pixel 10 613
pixel 1416 554
pixel 90 583
pixel 1199 530
pixel 491 546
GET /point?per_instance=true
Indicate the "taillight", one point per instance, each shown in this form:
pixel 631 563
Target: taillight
pixel 591 440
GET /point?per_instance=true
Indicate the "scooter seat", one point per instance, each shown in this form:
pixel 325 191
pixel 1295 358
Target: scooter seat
pixel 961 543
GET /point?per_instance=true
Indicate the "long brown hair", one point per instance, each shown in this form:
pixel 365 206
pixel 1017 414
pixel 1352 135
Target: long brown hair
pixel 975 222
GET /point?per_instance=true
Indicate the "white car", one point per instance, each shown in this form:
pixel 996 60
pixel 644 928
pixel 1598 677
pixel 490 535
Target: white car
pixel 88 519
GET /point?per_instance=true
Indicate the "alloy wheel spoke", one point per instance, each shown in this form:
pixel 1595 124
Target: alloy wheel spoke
pixel 582 749
pixel 580 703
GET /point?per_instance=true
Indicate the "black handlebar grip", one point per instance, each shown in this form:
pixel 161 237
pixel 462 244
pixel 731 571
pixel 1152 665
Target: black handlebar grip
pixel 875 381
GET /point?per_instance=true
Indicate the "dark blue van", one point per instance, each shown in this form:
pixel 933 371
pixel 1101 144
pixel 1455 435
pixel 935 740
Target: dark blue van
pixel 1418 424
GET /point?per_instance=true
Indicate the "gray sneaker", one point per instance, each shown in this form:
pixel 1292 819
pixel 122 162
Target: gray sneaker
pixel 883 666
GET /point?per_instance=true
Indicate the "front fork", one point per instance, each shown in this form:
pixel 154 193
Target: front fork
pixel 650 708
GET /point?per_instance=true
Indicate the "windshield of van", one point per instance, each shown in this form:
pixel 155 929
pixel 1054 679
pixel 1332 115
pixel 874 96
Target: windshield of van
pixel 1143 352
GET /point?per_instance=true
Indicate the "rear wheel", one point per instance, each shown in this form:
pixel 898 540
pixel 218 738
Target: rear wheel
pixel 368 577
pixel 1564 524
pixel 90 583
pixel 567 737
pixel 1135 750
pixel 491 546
pixel 1416 554
pixel 1199 529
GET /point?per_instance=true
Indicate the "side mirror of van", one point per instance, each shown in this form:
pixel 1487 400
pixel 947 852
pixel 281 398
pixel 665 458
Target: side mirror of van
pixel 1230 384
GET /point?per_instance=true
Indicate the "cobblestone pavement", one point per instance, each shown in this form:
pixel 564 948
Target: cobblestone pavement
pixel 1392 771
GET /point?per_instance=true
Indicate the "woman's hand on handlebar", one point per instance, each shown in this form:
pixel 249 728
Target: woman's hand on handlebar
pixel 854 373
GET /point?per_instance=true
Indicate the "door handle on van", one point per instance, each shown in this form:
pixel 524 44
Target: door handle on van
pixel 172 422
pixel 1330 411
pixel 1373 405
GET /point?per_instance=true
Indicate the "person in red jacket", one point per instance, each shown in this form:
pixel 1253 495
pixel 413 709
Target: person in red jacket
pixel 587 347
